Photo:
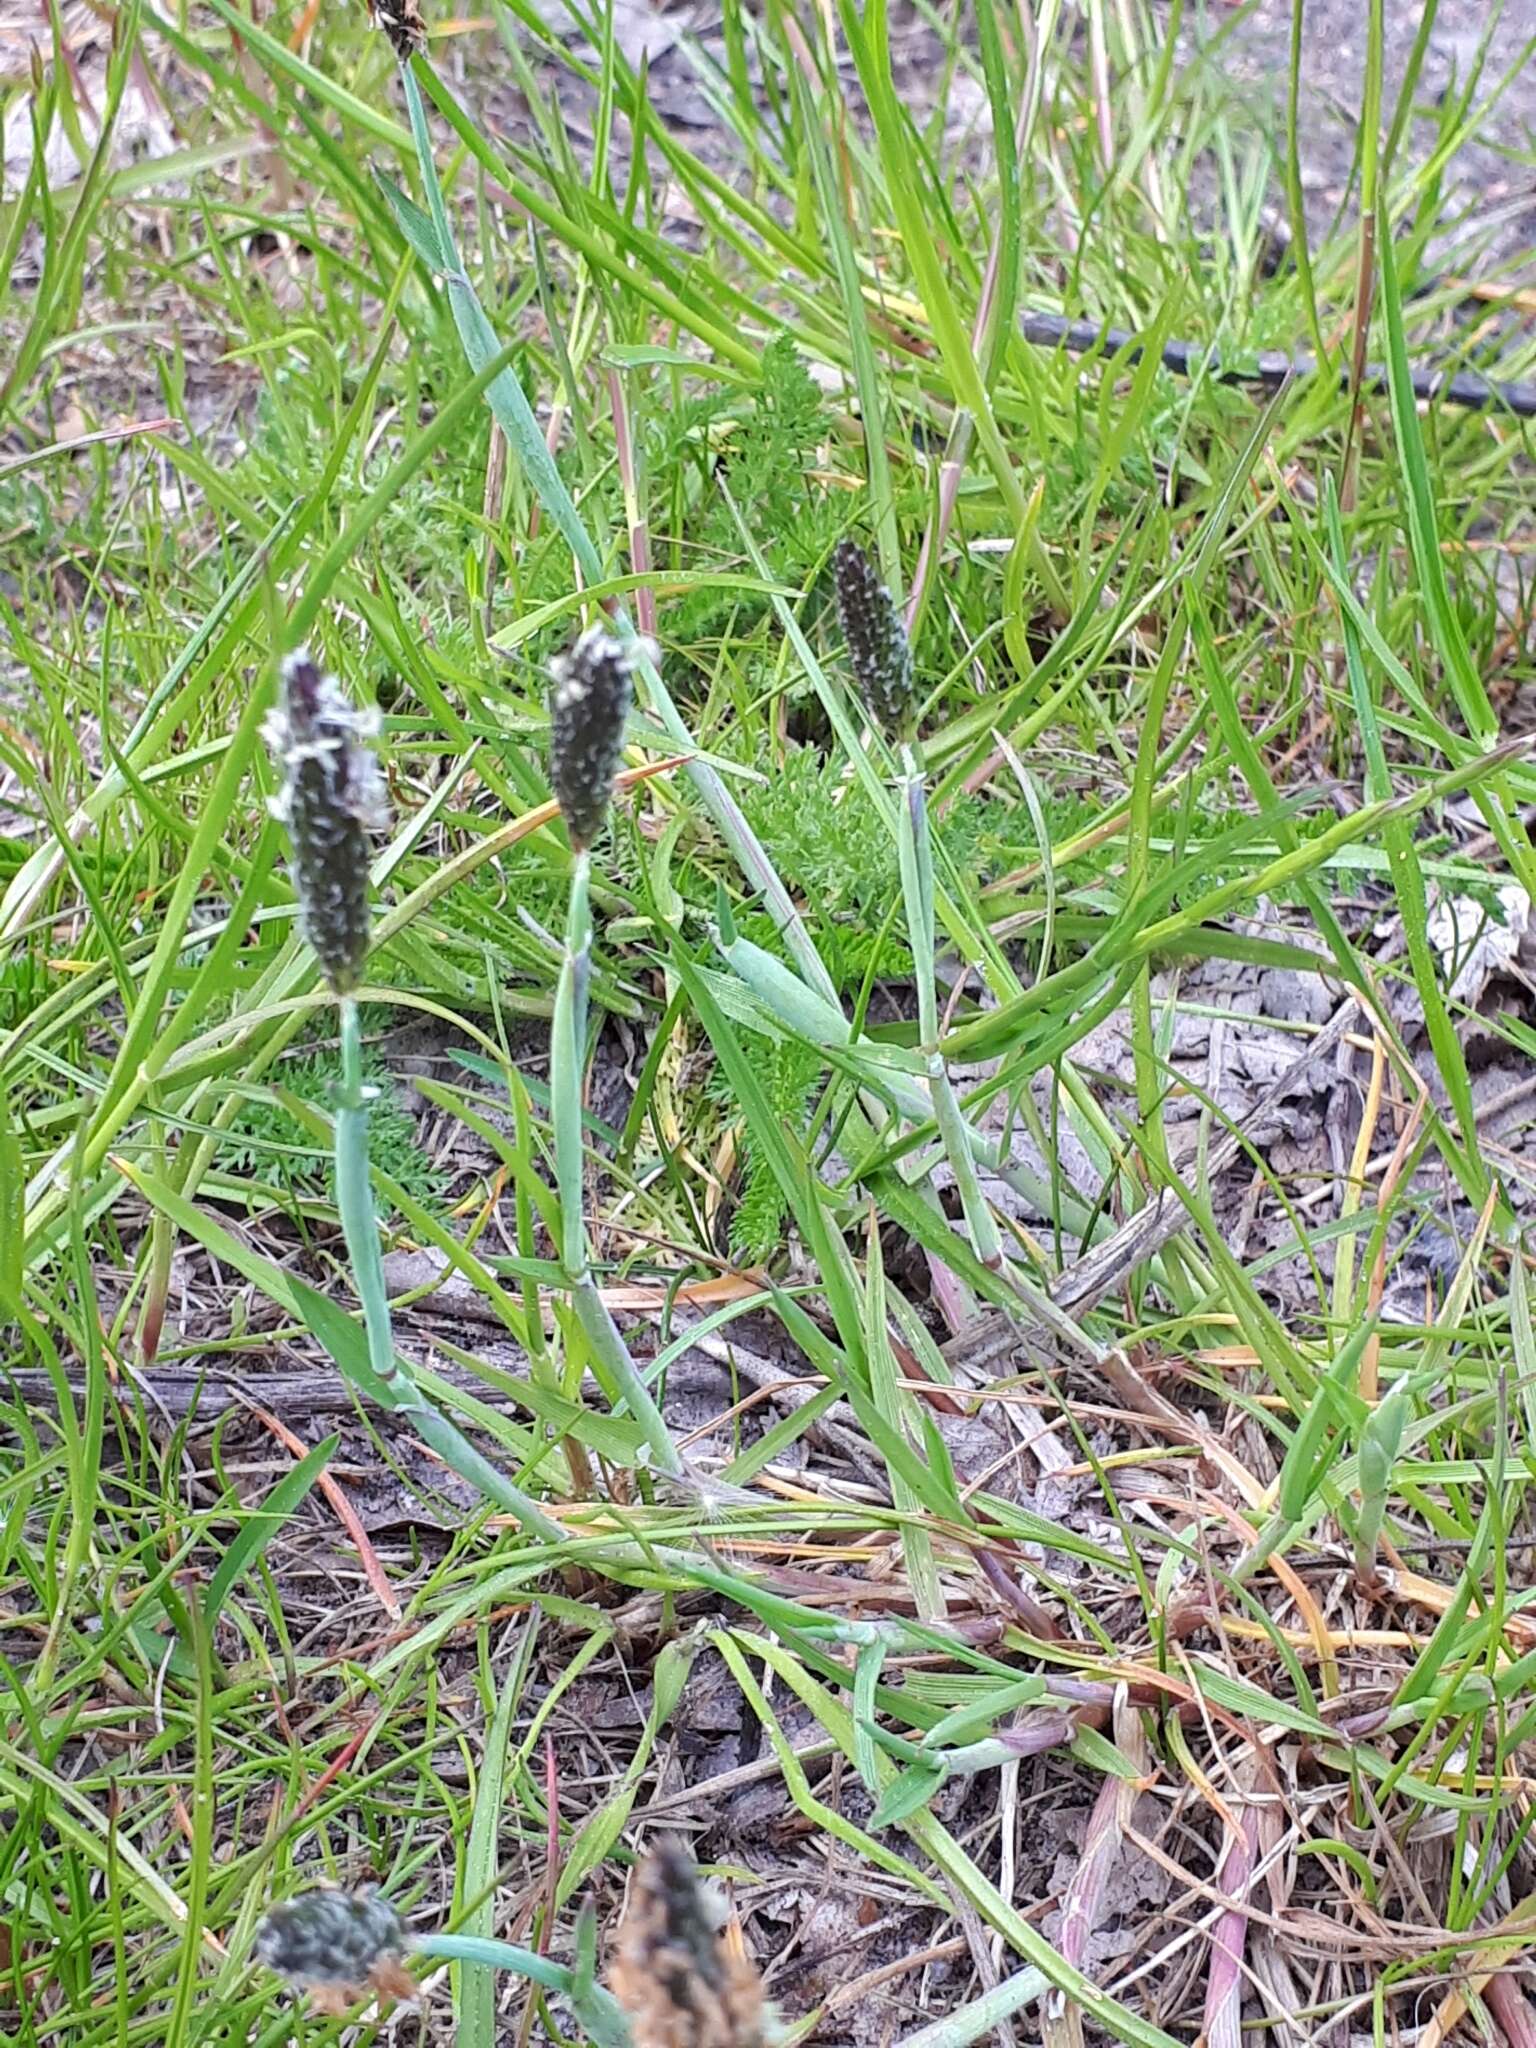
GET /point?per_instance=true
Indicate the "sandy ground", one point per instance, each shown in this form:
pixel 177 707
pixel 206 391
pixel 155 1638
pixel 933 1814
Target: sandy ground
pixel 1489 200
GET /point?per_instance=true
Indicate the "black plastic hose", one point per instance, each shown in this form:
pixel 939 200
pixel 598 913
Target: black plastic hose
pixel 1273 367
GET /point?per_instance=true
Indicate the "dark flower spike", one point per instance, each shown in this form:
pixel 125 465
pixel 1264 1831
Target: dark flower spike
pixel 681 1975
pixel 878 648
pixel 592 688
pixel 401 21
pixel 332 800
pixel 336 1945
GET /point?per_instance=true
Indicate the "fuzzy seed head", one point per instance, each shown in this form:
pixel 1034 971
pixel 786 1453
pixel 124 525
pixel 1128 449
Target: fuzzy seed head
pixel 681 1978
pixel 591 689
pixel 336 1939
pixel 332 800
pixel 401 21
pixel 878 648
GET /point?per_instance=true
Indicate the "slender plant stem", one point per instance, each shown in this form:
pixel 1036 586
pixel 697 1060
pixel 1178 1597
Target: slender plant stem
pixel 821 1023
pixel 984 2015
pixel 495 1955
pixel 610 1353
pixel 567 1049
pixel 360 1228
pixel 596 2009
pixel 541 1363
pixel 915 858
pixel 1295 201
pixel 611 1356
pixel 354 1198
pixel 454 1448
pixel 81 1478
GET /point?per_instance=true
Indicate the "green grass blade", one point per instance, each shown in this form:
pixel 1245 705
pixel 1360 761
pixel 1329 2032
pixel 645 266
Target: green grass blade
pixel 263 1524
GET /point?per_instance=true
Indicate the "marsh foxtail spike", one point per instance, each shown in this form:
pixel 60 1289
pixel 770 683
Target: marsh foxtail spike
pixel 679 1976
pixel 336 1945
pixel 878 649
pixel 591 688
pixel 332 800
pixel 401 21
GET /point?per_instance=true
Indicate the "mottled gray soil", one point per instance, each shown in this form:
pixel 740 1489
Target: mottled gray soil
pixel 1488 208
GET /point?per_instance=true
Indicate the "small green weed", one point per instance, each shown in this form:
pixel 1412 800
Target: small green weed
pixel 266 1139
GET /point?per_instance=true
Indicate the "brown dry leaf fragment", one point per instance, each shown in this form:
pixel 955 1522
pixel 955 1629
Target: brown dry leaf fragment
pixel 334 2001
pixel 681 1981
pixel 391 1979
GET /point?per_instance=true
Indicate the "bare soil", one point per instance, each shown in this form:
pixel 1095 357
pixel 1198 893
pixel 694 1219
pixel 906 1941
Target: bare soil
pixel 1489 199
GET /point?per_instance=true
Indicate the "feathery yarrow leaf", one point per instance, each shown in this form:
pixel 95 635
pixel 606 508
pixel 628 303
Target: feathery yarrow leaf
pixel 592 687
pixel 332 800
pixel 878 648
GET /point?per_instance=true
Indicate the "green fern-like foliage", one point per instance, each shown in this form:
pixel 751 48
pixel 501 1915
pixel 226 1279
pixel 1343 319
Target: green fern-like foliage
pixel 268 1141
pixel 823 833
pixel 763 446
pixel 789 1074
pixel 830 847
